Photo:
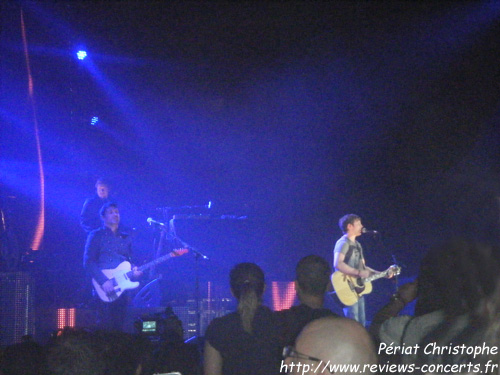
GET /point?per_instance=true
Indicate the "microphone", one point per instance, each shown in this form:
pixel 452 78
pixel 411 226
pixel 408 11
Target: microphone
pixel 366 231
pixel 150 220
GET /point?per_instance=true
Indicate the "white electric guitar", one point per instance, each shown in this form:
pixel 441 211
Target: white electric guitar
pixel 121 276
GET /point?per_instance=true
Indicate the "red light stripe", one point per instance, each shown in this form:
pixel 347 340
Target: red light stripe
pixel 40 227
pixel 282 300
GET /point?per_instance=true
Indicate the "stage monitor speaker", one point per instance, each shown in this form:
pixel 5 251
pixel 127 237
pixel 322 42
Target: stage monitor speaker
pixel 17 316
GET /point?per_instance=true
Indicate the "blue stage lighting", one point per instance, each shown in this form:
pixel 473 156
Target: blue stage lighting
pixel 81 55
pixel 94 120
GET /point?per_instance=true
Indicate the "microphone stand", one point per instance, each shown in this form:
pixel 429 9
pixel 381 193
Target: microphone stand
pixel 378 241
pixel 198 255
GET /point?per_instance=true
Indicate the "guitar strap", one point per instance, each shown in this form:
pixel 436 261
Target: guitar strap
pixel 362 257
pixel 348 254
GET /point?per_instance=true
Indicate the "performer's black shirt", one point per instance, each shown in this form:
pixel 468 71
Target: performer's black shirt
pixel 104 250
pixel 90 218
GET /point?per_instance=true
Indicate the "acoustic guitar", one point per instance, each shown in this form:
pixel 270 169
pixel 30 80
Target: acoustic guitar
pixel 349 289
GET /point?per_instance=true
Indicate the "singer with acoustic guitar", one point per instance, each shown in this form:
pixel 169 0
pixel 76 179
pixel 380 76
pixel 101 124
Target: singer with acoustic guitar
pixel 349 262
pixel 109 247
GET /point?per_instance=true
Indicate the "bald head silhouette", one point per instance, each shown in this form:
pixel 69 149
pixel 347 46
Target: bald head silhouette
pixel 341 341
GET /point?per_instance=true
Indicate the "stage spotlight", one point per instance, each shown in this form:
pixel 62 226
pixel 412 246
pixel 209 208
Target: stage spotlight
pixel 81 55
pixel 94 120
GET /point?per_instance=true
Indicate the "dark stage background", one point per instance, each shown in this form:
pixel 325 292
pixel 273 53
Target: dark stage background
pixel 289 114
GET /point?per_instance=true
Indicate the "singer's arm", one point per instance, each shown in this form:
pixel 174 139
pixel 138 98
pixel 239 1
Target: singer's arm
pixel 371 270
pixel 390 273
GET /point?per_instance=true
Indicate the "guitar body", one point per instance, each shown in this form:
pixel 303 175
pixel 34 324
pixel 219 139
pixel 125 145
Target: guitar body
pixel 121 282
pixel 368 288
pixel 349 289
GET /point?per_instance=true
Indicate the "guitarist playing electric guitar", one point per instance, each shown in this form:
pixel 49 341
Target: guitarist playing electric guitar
pixel 348 258
pixel 106 248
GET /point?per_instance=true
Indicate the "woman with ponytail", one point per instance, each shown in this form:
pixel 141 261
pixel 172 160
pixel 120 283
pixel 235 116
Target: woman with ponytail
pixel 246 341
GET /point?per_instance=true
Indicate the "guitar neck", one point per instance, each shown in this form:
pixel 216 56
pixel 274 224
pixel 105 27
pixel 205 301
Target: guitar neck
pixel 156 261
pixel 376 276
